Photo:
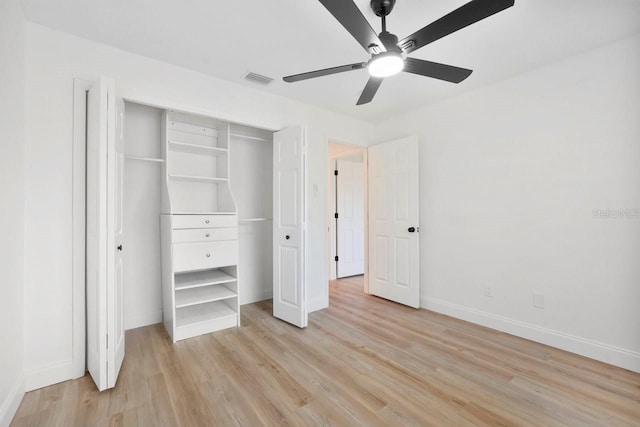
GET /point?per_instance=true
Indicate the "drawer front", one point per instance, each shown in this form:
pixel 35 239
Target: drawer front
pixel 203 235
pixel 200 256
pixel 203 221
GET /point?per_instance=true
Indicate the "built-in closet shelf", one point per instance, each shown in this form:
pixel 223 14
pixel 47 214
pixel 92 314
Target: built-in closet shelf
pixel 144 159
pixel 200 213
pixel 202 295
pixel 254 138
pixel 253 219
pixel 189 316
pixel 198 279
pixel 197 148
pixel 193 178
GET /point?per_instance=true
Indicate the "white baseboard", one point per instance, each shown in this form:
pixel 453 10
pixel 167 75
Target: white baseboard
pixel 256 297
pixel 52 373
pixel 317 304
pixel 143 319
pixel 585 347
pixel 9 406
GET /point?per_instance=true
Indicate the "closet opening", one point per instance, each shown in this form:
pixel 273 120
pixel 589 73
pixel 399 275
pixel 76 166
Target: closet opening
pixel 347 214
pixel 194 184
pixel 214 178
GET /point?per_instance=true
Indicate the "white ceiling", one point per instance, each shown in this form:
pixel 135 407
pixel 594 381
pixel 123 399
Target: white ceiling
pixel 227 39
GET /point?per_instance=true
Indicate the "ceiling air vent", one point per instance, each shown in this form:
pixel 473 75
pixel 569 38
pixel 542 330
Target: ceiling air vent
pixel 258 78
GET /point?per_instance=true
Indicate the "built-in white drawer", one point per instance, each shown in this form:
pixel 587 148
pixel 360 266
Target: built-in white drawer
pixel 204 235
pixel 200 256
pixel 203 221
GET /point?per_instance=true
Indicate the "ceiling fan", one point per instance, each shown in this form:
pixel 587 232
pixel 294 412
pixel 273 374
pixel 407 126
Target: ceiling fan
pixel 388 54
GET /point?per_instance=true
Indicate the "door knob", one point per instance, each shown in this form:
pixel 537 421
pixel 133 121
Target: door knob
pixel 287 237
pixel 412 229
pixel 120 247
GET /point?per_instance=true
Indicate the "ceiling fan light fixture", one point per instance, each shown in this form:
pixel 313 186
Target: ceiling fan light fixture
pixel 385 64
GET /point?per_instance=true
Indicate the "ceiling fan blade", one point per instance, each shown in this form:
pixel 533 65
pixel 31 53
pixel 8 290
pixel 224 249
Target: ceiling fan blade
pixel 435 70
pixel 348 14
pixel 370 90
pixel 325 72
pixel 474 11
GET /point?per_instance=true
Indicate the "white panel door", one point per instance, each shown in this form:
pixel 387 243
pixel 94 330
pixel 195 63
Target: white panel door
pixel 393 221
pixel 288 226
pixel 105 326
pixel 350 221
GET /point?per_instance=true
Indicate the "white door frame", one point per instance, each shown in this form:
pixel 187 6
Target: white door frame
pixel 331 210
pixel 78 287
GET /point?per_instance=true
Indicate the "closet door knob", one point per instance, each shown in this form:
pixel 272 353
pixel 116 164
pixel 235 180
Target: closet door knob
pixel 206 235
pixel 287 237
pixel 120 247
pixel 412 230
pixel 208 255
pixel 206 221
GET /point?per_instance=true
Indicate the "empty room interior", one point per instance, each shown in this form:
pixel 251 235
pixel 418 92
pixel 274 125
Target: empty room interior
pixel 320 212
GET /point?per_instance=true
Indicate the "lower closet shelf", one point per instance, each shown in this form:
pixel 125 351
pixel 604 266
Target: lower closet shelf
pixel 204 318
pixel 202 278
pixel 201 295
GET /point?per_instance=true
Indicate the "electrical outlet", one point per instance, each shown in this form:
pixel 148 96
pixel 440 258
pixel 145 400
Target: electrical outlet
pixel 488 292
pixel 538 301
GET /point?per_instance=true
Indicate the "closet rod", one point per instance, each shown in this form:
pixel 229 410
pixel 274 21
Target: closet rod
pixel 255 138
pixel 144 159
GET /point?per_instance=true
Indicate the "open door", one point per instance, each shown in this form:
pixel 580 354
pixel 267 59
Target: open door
pixel 394 248
pixel 105 321
pixel 350 218
pixel 288 226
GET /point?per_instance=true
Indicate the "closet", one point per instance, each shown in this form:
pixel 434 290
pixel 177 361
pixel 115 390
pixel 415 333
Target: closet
pixel 197 220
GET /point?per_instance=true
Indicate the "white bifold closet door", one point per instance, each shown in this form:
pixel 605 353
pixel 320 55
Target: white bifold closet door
pixel 288 226
pixel 105 314
pixel 394 246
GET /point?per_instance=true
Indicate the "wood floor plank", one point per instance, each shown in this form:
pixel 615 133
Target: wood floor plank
pixel 363 361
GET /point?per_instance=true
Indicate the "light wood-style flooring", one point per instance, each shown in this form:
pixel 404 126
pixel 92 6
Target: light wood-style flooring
pixel 364 361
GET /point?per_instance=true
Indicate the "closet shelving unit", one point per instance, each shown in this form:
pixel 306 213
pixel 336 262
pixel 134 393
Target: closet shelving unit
pixel 198 228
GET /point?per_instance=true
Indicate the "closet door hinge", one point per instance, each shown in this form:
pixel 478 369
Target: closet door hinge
pixel 335 172
pixel 335 215
pixel 336 258
pixel 107 340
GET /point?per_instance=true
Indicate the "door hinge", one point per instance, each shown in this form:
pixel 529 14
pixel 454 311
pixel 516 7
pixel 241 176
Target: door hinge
pixel 107 340
pixel 335 172
pixel 335 215
pixel 336 258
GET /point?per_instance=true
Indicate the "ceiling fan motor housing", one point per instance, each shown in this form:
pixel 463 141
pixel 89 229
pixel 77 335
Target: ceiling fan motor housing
pixel 382 7
pixel 390 41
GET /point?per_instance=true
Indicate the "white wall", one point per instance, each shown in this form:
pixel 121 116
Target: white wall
pixel 12 103
pixel 510 176
pixel 53 59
